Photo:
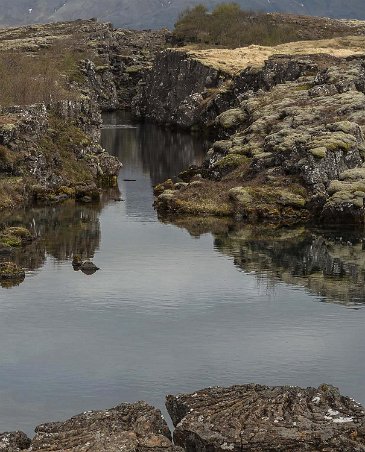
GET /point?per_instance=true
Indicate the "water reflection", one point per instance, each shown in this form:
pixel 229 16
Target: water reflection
pixel 60 230
pixel 328 263
pixel 159 153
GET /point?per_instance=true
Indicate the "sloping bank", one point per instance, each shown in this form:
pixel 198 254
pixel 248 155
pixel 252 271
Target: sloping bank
pixel 248 417
pixel 52 153
pixel 290 127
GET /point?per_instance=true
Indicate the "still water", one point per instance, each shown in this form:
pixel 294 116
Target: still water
pixel 175 307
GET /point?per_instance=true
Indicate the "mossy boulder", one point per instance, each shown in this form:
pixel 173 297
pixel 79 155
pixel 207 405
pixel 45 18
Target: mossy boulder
pixel 229 163
pixel 160 188
pixel 222 146
pixel 272 203
pixel 231 119
pixel 354 174
pixel 335 141
pixel 347 127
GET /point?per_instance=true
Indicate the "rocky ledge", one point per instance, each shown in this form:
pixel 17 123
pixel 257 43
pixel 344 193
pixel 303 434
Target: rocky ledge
pixel 289 130
pixel 249 417
pixel 52 152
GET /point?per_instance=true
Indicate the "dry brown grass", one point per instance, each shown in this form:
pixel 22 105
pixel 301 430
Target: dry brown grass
pixel 232 61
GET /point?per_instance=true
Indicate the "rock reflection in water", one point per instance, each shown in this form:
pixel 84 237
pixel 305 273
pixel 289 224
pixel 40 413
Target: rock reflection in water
pixel 61 230
pixel 162 155
pixel 328 263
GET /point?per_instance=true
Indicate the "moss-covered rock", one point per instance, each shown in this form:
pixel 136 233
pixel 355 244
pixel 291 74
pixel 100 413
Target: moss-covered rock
pixel 319 153
pixel 160 188
pixel 231 119
pixel 273 203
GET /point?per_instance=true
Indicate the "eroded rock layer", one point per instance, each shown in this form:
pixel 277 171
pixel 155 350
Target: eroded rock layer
pixel 261 418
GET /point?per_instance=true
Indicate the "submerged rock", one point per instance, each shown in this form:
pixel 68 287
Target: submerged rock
pixel 89 268
pixel 261 418
pixel 13 441
pixel 128 427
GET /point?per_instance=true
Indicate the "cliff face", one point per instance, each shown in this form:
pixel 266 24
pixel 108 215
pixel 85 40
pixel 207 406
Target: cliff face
pixel 291 148
pixel 177 91
pixel 187 92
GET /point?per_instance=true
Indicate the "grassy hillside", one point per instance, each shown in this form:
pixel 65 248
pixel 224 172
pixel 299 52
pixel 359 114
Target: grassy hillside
pixel 228 25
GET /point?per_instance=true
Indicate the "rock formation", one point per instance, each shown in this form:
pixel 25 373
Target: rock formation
pixel 128 427
pixel 290 129
pixel 13 441
pixel 249 417
pixel 49 150
pixel 261 418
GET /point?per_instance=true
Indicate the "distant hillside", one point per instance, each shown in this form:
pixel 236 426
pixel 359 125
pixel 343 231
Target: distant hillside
pixel 159 13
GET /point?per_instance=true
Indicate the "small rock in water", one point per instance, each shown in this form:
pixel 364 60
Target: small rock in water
pixel 89 268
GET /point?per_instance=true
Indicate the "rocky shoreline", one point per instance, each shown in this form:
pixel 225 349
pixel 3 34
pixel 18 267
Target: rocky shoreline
pixel 288 130
pixel 248 417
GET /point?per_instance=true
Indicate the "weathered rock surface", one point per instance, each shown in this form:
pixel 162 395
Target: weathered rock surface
pixel 290 149
pixel 51 153
pixel 180 90
pixel 13 442
pixel 129 427
pixel 260 418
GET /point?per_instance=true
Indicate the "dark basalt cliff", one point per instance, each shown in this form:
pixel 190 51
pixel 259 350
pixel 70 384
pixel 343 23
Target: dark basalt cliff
pixel 290 130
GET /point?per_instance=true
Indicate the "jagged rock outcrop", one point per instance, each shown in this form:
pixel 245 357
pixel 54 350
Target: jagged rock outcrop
pixel 248 417
pixel 290 150
pixel 261 418
pixel 52 152
pixel 129 427
pixel 101 62
pixel 182 91
pixel 13 442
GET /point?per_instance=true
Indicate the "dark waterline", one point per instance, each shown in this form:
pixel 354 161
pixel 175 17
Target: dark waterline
pixel 174 308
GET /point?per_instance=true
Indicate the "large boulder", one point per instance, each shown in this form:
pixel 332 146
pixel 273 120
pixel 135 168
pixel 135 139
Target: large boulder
pixel 261 418
pixel 127 427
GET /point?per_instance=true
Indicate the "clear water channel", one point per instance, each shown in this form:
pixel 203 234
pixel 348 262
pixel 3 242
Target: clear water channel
pixel 174 307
